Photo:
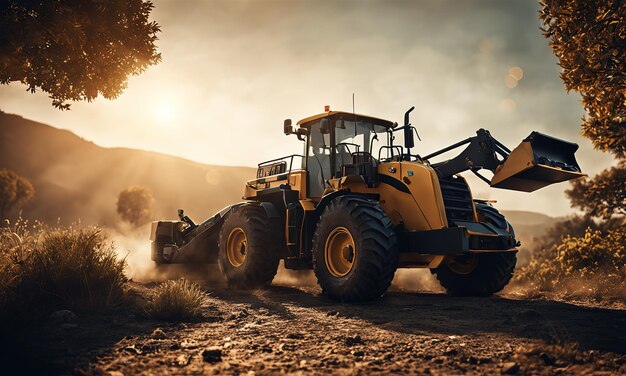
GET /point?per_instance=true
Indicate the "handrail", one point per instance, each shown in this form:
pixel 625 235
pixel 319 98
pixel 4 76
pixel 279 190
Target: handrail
pixel 389 147
pixel 281 159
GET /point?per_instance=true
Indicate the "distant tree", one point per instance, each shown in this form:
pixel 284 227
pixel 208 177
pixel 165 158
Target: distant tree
pixel 15 191
pixel 604 195
pixel 133 205
pixel 76 49
pixel 589 39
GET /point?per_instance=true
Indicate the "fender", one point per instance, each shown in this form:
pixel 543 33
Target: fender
pixel 331 196
pixel 270 209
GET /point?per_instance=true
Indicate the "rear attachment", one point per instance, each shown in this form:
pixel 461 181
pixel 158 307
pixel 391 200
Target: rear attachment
pixel 176 242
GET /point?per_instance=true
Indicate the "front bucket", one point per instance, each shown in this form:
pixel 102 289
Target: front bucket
pixel 538 161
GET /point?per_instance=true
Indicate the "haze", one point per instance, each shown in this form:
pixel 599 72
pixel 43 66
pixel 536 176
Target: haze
pixel 233 70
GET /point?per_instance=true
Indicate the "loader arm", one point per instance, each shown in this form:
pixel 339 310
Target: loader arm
pixel 538 161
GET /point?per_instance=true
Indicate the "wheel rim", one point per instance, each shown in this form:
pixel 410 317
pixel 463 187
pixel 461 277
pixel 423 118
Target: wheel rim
pixel 463 265
pixel 340 252
pixel 237 247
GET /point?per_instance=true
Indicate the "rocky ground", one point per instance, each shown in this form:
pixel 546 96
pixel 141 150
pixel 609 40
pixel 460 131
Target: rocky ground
pixel 285 329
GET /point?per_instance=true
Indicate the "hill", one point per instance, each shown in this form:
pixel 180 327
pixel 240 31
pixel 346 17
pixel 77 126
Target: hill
pixel 77 180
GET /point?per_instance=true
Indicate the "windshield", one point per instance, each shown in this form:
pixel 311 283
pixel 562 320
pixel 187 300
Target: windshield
pixel 359 136
pixel 349 137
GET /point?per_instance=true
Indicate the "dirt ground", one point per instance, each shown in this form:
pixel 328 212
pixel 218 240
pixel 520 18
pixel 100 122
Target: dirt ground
pixel 296 330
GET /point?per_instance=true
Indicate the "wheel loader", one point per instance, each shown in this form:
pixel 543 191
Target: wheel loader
pixel 357 205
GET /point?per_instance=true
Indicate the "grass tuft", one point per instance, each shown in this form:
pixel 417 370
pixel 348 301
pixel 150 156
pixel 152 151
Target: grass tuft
pixel 176 300
pixel 43 269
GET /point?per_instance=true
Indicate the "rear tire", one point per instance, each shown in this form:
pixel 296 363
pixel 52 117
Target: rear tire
pixel 355 250
pixel 249 248
pixel 481 274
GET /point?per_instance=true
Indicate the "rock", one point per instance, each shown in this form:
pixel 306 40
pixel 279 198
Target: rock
pixel 158 333
pixel 450 351
pixel 351 341
pixel 183 359
pixel 510 368
pixel 132 349
pixel 189 344
pixel 212 355
pixel 547 359
pixel 62 316
pixel 147 348
pixel 243 313
pixel 286 347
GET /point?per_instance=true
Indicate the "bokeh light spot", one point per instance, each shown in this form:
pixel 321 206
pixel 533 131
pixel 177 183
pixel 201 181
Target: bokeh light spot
pixel 508 105
pixel 517 73
pixel 510 81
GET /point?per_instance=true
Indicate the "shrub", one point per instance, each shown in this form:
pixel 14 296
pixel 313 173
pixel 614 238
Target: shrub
pixel 591 264
pixel 46 269
pixel 176 300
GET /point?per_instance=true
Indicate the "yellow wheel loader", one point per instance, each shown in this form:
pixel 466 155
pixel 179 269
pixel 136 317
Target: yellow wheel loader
pixel 355 206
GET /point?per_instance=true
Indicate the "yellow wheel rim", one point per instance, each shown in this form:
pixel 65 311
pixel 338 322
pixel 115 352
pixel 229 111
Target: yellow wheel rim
pixel 237 247
pixel 340 252
pixel 463 265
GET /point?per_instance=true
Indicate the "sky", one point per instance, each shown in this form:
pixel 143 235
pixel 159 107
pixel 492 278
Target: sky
pixel 233 70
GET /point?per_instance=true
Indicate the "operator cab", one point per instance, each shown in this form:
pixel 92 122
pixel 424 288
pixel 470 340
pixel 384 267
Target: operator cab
pixel 341 144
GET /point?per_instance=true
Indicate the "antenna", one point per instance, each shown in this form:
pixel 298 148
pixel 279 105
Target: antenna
pixel 354 114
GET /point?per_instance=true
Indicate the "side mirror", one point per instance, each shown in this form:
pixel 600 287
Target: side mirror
pixel 287 128
pixel 325 126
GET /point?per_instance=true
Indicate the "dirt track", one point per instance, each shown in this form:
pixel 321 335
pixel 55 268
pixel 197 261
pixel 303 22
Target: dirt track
pixel 296 330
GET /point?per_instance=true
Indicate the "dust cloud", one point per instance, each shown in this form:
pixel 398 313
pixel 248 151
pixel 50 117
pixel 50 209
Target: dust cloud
pixel 415 280
pixel 133 245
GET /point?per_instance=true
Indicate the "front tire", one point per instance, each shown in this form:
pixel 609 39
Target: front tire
pixel 249 248
pixel 355 250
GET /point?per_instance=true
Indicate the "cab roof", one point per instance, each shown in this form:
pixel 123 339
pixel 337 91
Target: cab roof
pixel 346 116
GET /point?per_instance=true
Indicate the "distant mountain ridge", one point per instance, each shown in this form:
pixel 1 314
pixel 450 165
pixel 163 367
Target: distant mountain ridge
pixel 75 179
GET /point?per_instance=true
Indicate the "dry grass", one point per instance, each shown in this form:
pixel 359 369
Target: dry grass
pixel 593 265
pixel 64 268
pixel 176 300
